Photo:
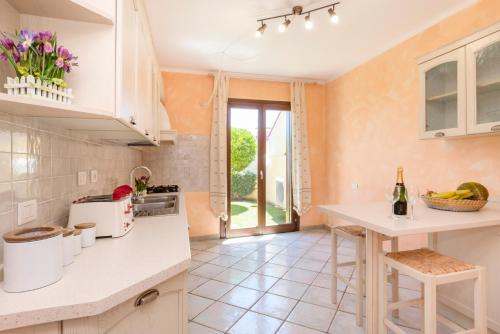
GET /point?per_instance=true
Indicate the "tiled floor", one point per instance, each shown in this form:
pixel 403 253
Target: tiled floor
pixel 276 284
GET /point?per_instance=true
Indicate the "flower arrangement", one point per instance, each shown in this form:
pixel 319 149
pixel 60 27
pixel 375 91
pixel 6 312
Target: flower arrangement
pixel 141 185
pixel 37 54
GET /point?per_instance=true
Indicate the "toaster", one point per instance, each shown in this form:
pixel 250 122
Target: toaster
pixel 112 218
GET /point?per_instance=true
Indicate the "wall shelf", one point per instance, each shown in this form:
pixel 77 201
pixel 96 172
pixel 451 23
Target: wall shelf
pixel 442 97
pixel 486 87
pixel 33 107
pixel 75 10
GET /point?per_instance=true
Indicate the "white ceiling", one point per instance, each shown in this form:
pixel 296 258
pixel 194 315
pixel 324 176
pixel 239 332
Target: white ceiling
pixel 208 35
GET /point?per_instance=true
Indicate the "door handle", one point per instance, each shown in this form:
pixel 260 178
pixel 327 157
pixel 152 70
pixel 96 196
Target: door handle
pixel 146 297
pixel 261 175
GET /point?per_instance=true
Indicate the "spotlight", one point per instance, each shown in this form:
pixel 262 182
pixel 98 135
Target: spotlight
pixel 261 30
pixel 309 24
pixel 334 18
pixel 283 26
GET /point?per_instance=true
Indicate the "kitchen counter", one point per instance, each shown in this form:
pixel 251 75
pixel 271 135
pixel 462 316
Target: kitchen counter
pixel 107 274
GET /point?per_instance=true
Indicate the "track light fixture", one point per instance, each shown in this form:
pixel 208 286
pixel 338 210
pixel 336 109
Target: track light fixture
pixel 283 26
pixel 334 18
pixel 298 11
pixel 261 29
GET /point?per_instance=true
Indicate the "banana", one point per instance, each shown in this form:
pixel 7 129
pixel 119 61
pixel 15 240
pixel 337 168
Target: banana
pixel 444 195
pixel 463 192
pixel 454 197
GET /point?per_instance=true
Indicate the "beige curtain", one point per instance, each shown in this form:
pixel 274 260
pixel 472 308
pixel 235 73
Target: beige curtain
pixel 301 173
pixel 218 147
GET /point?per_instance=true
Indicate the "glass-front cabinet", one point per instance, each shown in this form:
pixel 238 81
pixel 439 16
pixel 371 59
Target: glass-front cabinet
pixel 443 101
pixel 483 85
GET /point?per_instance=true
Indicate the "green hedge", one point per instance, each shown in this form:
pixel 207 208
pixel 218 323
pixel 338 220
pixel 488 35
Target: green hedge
pixel 242 184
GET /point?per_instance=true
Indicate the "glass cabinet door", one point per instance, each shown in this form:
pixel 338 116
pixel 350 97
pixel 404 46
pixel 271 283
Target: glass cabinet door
pixel 483 87
pixel 443 95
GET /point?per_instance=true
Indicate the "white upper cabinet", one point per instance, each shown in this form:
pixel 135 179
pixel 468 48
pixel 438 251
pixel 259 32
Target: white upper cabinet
pixel 460 87
pixel 443 100
pixel 483 85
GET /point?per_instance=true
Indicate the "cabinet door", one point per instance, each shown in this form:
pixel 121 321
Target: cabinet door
pixel 443 96
pixel 483 85
pixel 127 61
pixel 143 78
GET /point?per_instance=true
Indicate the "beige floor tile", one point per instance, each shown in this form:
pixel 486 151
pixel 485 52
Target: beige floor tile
pixel 274 270
pixel 194 328
pixel 213 289
pixel 291 251
pixel 308 264
pixel 345 323
pixel 348 303
pixel 312 316
pixel 220 316
pixel 231 275
pixel 195 281
pixel 204 256
pixel 259 282
pixel 254 323
pixel 289 289
pixel 284 260
pixel 208 270
pixel 315 255
pixel 300 275
pixel 225 260
pixel 275 306
pixel 291 328
pixel 242 297
pixel 260 255
pixel 248 265
pixel 197 304
pixel 321 296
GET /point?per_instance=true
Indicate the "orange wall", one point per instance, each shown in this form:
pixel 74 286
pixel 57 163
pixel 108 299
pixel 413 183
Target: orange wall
pixel 186 97
pixel 372 115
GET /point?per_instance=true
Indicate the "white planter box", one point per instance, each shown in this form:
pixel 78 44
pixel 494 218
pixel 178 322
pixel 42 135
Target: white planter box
pixel 29 86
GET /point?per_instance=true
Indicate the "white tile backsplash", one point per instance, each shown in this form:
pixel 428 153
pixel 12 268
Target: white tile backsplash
pixel 40 162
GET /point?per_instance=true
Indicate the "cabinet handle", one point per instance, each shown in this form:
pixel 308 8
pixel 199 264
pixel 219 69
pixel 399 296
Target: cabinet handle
pixel 495 128
pixel 146 133
pixel 146 297
pixel 439 134
pixel 132 120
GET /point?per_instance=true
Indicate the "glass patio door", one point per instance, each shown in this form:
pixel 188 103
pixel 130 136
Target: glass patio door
pixel 259 160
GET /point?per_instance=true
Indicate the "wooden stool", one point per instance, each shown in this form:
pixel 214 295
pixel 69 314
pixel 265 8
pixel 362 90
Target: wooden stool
pixel 431 269
pixel 357 234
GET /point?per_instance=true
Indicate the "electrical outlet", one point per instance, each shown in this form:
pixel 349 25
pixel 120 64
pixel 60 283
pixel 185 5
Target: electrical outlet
pixel 354 185
pixel 26 212
pixel 82 178
pixel 93 176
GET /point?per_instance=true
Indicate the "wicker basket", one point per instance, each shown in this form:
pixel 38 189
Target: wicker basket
pixel 461 205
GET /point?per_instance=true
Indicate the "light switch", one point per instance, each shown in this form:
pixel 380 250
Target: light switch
pixel 93 176
pixel 26 212
pixel 82 178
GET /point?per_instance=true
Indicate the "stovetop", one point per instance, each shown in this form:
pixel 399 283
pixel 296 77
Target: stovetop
pixel 170 188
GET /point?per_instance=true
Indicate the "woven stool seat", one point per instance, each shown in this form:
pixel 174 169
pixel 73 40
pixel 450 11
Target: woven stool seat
pixel 354 230
pixel 429 262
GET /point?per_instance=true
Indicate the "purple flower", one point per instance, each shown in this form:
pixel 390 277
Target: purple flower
pixel 9 45
pixel 64 58
pixel 45 39
pixel 26 40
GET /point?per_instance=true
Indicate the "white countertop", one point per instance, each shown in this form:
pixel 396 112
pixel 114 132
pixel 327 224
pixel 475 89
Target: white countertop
pixel 107 274
pixel 376 217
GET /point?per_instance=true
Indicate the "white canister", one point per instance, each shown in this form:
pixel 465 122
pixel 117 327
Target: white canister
pixel 68 246
pixel 88 233
pixel 77 241
pixel 33 258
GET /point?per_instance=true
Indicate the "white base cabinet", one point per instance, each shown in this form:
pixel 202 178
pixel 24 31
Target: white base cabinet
pixel 159 310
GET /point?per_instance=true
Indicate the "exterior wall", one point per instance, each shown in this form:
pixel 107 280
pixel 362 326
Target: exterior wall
pixel 186 97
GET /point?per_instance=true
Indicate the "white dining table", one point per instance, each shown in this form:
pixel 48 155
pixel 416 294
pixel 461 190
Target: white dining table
pixel 376 218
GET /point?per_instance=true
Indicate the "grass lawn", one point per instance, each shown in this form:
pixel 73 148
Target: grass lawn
pixel 244 214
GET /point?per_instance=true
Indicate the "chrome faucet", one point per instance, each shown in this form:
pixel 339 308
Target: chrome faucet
pixel 132 183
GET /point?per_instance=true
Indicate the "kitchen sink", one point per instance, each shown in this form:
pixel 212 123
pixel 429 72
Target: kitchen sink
pixel 156 205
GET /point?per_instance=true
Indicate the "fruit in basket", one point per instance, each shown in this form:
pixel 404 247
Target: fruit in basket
pixel 478 190
pixel 453 195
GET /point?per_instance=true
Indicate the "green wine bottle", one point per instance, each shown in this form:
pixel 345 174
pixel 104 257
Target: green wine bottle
pixel 400 202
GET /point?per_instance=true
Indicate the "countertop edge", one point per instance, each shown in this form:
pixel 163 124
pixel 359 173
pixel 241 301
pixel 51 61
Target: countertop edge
pixel 66 312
